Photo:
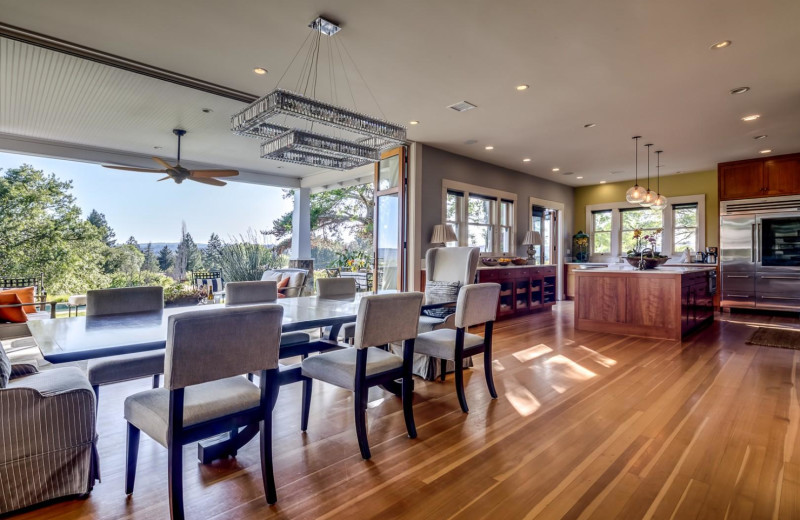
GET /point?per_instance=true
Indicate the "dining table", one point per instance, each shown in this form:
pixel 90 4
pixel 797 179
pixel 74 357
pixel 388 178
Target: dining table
pixel 88 337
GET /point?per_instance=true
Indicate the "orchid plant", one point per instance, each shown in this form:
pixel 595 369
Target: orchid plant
pixel 646 244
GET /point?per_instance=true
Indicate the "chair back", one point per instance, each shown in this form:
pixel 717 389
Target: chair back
pixel 452 264
pixel 336 287
pixel 237 293
pixel 386 318
pixel 477 303
pixel 333 272
pixel 102 302
pixel 208 345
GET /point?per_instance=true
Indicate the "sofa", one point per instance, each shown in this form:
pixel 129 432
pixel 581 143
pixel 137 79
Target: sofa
pixel 294 286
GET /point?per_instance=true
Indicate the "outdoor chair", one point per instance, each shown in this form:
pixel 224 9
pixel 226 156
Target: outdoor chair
pixel 343 288
pixel 382 319
pixel 47 434
pixel 211 278
pixel 40 303
pixel 333 272
pixel 294 287
pixel 477 304
pixel 115 369
pixel 204 393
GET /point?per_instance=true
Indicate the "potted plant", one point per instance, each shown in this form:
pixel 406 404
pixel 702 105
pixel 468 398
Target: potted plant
pixel 644 255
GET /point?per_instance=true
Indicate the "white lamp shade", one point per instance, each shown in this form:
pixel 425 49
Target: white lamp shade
pixel 443 233
pixel 532 238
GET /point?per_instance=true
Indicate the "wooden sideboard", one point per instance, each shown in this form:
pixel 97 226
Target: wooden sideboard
pixel 761 177
pixel 523 289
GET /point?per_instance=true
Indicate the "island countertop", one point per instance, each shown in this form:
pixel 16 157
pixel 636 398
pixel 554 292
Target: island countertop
pixel 662 270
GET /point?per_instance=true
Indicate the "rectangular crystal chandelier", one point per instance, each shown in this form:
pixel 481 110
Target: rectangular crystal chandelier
pixel 302 147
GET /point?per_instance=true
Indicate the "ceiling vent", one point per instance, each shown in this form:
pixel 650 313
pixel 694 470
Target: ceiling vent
pixel 568 173
pixel 462 106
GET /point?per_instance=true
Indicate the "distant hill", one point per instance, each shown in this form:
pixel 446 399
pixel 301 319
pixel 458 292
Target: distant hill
pixel 157 246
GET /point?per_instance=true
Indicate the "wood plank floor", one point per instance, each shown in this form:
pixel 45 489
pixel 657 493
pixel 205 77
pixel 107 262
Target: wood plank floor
pixel 587 426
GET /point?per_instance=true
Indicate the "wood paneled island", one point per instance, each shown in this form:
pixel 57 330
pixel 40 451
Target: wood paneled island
pixel 664 303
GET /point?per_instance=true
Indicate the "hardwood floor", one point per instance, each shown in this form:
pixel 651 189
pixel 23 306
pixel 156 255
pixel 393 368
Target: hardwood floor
pixel 588 425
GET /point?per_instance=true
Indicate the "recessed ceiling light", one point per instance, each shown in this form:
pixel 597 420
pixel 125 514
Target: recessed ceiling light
pixel 721 45
pixel 260 71
pixel 765 151
pixel 579 177
pixel 523 87
pixel 590 125
pixel 556 169
pixel 740 90
pixel 526 160
pixel 602 182
pixel 413 122
pixel 763 136
pixel 751 117
pixel 490 147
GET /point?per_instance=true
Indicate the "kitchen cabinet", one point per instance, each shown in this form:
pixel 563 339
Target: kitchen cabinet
pixel 569 272
pixel 761 177
pixel 523 289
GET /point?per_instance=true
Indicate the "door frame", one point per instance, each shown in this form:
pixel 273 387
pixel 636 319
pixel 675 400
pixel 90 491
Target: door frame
pixel 402 225
pixel 559 240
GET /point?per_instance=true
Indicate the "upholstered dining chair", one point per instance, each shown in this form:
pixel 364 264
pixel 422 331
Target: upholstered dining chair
pixel 243 293
pixel 339 288
pixel 382 319
pixel 447 269
pixel 115 369
pixel 204 393
pixel 477 304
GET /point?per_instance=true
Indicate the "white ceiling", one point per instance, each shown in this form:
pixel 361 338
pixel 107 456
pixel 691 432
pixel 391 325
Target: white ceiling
pixel 631 67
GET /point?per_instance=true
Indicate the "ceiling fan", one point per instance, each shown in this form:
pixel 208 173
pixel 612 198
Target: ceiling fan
pixel 178 173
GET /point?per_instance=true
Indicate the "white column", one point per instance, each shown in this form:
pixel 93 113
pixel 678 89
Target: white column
pixel 301 225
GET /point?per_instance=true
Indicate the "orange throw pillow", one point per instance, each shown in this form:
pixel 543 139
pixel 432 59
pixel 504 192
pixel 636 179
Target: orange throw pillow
pixel 283 283
pixel 25 296
pixel 11 314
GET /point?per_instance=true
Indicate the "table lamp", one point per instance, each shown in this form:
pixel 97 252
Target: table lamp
pixel 532 238
pixel 443 233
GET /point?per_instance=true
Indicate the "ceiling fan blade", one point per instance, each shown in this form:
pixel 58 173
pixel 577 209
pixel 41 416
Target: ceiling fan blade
pixel 213 173
pixel 213 182
pixel 165 178
pixel 129 169
pixel 163 163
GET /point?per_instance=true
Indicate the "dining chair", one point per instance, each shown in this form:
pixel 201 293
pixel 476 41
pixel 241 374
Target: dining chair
pixel 382 319
pixel 115 369
pixel 204 393
pixel 477 304
pixel 339 288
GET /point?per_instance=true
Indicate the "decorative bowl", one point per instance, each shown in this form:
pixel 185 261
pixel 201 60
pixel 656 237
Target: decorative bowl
pixel 520 261
pixel 503 261
pixel 489 262
pixel 649 261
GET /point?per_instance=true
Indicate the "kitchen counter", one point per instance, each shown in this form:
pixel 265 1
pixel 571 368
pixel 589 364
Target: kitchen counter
pixel 667 302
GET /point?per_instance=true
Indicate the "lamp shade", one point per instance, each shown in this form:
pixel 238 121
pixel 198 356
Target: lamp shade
pixel 443 233
pixel 532 238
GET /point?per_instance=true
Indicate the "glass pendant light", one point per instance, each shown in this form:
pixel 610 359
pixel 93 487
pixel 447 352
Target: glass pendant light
pixel 635 194
pixel 649 196
pixel 661 201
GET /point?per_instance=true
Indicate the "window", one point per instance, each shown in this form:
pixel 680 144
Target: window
pixel 601 232
pixel 684 227
pixel 645 219
pixel 483 218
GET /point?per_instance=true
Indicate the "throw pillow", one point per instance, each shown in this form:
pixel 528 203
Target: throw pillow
pixel 11 314
pixel 5 367
pixel 26 295
pixel 215 283
pixel 283 283
pixel 435 292
pixel 271 275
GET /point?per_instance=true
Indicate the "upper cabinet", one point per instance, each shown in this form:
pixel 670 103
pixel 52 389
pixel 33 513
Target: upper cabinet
pixel 762 177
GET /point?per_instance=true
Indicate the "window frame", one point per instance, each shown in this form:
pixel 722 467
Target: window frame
pixel 668 236
pixel 592 232
pixel 461 223
pixel 673 206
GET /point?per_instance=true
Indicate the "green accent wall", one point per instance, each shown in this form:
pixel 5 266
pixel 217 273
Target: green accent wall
pixel 671 186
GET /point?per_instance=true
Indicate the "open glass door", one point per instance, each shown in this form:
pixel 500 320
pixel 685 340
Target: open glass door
pixel 390 218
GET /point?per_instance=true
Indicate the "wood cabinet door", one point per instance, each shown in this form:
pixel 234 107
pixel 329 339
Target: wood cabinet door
pixel 741 180
pixel 782 176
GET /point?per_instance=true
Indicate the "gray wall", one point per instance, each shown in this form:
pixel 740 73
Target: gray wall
pixel 437 165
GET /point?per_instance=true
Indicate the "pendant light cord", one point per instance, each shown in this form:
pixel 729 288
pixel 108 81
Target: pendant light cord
pixel 636 160
pixel 648 165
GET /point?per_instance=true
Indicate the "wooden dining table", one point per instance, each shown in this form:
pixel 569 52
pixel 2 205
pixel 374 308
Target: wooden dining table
pixel 89 337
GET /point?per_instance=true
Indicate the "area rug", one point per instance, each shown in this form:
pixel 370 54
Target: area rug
pixel 769 337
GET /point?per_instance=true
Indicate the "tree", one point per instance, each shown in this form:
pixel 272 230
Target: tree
pixel 42 231
pixel 125 260
pixel 98 220
pixel 187 255
pixel 213 250
pixel 150 261
pixel 166 259
pixel 132 242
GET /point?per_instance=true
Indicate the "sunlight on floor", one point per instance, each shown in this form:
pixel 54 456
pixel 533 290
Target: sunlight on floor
pixel 522 400
pixel 532 353
pixel 570 368
pixel 497 365
pixel 599 358
pixel 764 325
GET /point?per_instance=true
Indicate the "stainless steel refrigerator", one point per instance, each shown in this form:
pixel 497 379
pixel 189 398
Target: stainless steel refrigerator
pixel 760 253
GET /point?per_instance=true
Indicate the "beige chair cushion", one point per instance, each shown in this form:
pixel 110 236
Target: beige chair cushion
pixel 149 410
pixel 237 293
pixel 477 304
pixel 122 368
pixel 441 343
pixel 336 287
pixel 103 302
pixel 452 264
pixel 274 276
pixel 338 367
pixel 386 318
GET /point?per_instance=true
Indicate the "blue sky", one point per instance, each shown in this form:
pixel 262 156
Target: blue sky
pixel 135 204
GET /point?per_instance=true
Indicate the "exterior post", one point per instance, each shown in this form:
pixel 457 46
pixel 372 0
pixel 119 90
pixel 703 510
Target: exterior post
pixel 300 253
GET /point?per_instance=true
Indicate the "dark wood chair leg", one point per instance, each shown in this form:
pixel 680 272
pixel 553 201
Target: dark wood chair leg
pixel 156 380
pixel 250 377
pixel 175 462
pixel 132 457
pixel 306 405
pixel 459 370
pixel 360 405
pixel 267 474
pixel 408 405
pixel 487 358
pixel 443 368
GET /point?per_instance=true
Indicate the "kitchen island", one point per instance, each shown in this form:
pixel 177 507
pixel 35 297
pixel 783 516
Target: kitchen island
pixel 666 302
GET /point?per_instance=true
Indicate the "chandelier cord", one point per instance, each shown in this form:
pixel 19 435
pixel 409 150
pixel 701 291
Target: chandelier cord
pixel 346 76
pixel 355 65
pixel 278 84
